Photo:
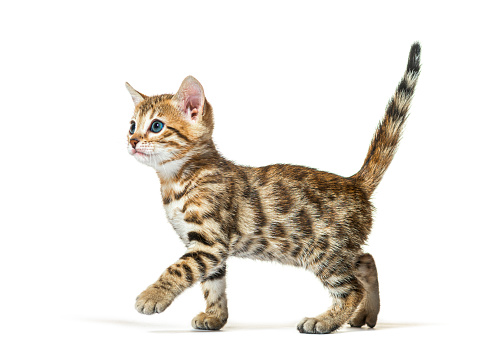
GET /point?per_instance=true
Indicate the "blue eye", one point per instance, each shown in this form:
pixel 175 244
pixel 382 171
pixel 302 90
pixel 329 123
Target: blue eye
pixel 156 126
pixel 132 128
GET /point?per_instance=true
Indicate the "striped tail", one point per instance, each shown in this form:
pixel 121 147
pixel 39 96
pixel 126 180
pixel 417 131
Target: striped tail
pixel 388 133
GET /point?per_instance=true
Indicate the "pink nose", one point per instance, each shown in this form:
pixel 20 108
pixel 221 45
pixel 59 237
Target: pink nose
pixel 133 142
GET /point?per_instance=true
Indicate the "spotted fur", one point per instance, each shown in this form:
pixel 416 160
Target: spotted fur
pixel 290 214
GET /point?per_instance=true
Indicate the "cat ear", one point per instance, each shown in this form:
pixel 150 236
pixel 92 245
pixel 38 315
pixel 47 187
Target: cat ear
pixel 137 97
pixel 190 98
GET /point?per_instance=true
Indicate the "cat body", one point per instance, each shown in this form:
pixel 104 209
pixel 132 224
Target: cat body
pixel 290 214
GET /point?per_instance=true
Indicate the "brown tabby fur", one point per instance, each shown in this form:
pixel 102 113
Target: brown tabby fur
pixel 290 214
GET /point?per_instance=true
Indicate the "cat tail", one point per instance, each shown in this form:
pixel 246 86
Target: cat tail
pixel 387 136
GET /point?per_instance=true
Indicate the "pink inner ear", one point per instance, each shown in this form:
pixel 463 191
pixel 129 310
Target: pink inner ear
pixel 193 102
pixel 190 98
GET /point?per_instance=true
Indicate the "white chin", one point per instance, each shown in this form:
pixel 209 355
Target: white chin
pixel 146 159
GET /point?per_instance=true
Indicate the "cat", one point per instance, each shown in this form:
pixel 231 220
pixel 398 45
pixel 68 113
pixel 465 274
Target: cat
pixel 290 214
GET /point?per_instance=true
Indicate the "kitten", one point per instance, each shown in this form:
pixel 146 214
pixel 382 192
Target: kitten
pixel 291 214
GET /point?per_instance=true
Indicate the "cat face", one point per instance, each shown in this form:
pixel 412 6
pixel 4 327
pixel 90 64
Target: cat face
pixel 165 129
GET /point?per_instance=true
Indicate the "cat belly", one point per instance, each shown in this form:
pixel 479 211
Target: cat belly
pixel 260 248
pixel 292 250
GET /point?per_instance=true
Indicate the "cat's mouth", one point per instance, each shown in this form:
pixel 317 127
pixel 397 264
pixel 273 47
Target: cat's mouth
pixel 139 153
pixel 142 156
pixel 147 156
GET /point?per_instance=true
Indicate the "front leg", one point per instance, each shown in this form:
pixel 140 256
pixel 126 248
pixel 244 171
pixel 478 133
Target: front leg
pixel 201 261
pixel 216 314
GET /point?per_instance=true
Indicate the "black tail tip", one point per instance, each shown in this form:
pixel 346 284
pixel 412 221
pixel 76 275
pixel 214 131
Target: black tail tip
pixel 414 58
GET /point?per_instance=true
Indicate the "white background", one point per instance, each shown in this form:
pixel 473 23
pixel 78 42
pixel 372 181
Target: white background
pixel 83 230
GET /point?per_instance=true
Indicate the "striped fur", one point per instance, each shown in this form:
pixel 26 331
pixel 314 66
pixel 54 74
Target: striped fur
pixel 290 214
pixel 386 139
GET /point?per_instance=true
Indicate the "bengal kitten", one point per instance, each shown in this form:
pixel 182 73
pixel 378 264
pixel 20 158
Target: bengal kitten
pixel 290 214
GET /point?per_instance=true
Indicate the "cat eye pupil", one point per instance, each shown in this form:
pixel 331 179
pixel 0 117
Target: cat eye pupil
pixel 132 128
pixel 156 126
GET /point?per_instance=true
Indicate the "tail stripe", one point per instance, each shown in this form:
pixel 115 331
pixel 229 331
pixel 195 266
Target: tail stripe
pixel 389 131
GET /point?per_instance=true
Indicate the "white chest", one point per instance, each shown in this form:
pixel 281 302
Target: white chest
pixel 175 216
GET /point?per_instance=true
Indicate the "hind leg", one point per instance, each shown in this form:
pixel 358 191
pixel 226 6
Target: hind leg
pixel 367 311
pixel 347 293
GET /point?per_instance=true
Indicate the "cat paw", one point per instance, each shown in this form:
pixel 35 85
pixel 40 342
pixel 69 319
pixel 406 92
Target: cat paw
pixel 361 318
pixel 153 300
pixel 316 326
pixel 205 321
pixel 358 320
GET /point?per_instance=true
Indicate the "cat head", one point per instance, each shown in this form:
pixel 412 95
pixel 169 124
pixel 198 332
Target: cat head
pixel 166 128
